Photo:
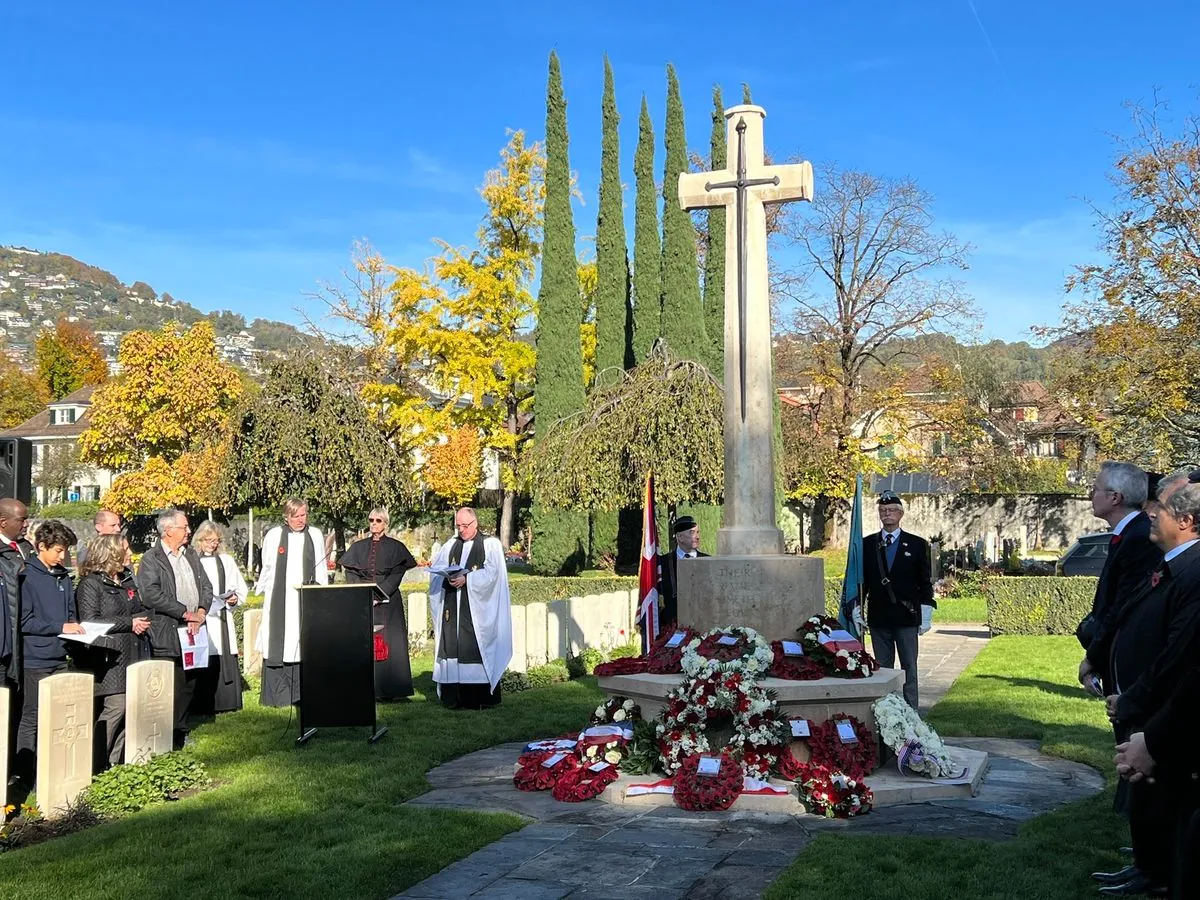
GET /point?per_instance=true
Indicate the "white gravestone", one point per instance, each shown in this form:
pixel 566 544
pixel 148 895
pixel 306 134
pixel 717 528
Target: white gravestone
pixel 149 709
pixel 535 633
pixel 520 661
pixel 64 741
pixel 251 657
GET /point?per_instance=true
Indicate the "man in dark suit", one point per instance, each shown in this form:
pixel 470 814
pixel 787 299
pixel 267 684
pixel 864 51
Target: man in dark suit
pixel 1152 641
pixel 1118 495
pixel 174 588
pixel 687 546
pixel 899 592
pixel 1167 751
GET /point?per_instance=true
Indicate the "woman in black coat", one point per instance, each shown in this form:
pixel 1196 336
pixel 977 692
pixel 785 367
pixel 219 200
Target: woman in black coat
pixel 108 593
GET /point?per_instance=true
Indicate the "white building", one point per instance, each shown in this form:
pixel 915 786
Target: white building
pixel 61 423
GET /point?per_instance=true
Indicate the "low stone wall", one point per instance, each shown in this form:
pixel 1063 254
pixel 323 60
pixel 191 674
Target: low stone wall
pixel 554 630
pixel 1034 521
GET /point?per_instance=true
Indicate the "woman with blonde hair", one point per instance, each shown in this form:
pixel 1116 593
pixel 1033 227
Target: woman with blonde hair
pixel 107 593
pixel 221 689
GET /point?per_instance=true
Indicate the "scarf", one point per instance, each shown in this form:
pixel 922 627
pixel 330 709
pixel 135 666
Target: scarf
pixel 279 592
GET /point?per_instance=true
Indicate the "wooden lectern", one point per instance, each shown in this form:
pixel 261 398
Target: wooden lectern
pixel 337 659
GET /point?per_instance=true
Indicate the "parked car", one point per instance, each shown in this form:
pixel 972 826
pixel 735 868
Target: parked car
pixel 1086 556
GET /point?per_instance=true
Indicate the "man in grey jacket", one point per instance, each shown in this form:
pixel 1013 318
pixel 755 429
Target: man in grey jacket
pixel 175 589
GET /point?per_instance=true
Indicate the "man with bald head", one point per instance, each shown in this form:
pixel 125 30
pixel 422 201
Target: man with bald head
pixel 472 618
pixel 14 550
pixel 105 522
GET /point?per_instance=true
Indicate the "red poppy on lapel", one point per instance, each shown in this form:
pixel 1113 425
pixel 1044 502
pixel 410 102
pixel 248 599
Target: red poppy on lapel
pixel 1114 540
pixel 1155 579
pixel 282 550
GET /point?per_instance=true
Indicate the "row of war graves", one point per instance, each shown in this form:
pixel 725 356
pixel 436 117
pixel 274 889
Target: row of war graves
pixel 65 740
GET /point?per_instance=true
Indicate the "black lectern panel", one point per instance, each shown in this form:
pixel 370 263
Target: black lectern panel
pixel 337 657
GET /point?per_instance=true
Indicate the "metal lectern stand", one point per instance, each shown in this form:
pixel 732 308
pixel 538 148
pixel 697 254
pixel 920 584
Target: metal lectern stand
pixel 337 659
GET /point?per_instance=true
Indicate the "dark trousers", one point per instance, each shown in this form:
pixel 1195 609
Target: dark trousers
pixel 1186 882
pixel 185 689
pixel 1152 830
pixel 111 723
pixel 26 760
pixel 886 644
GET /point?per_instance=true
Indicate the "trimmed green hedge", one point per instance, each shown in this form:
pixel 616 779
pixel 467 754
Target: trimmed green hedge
pixel 1041 604
pixel 526 590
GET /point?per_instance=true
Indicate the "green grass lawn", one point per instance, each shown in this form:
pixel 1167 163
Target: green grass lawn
pixel 952 610
pixel 322 821
pixel 1019 687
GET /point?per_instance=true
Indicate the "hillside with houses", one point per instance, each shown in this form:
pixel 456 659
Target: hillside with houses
pixel 36 288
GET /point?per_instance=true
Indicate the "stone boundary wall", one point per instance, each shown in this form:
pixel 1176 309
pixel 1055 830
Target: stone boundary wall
pixel 1034 521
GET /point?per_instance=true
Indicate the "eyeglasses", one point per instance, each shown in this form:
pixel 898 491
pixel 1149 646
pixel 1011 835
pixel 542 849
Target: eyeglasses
pixel 374 520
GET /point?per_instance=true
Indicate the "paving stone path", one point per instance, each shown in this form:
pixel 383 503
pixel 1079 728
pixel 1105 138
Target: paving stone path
pixel 597 850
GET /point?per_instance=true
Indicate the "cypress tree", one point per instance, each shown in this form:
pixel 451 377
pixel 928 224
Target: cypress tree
pixel 714 259
pixel 613 313
pixel 612 256
pixel 647 262
pixel 559 536
pixel 746 94
pixel 682 311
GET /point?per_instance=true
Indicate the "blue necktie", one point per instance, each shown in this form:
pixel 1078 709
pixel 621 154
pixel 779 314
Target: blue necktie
pixel 892 545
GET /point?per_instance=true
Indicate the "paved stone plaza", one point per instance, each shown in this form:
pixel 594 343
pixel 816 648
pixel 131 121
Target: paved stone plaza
pixel 597 850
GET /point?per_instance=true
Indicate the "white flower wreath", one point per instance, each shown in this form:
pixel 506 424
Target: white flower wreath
pixel 753 664
pixel 899 727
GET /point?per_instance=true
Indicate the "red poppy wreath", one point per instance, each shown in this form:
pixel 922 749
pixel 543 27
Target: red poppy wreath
pixel 697 792
pixel 585 782
pixel 858 759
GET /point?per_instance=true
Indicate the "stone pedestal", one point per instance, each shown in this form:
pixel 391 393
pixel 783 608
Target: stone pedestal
pixel 815 700
pixel 771 594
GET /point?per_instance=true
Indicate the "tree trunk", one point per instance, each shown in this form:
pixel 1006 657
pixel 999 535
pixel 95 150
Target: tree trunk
pixel 507 525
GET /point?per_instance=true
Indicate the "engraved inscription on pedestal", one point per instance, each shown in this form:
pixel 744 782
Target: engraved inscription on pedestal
pixel 149 709
pixel 771 594
pixel 64 751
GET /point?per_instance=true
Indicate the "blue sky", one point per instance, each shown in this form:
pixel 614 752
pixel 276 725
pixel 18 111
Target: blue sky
pixel 230 153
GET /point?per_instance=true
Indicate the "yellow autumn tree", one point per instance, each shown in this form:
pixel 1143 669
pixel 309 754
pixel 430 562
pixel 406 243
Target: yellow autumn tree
pixel 164 423
pixel 449 347
pixel 453 469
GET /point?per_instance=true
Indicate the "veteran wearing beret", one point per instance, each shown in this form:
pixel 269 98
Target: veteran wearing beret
pixel 687 546
pixel 899 592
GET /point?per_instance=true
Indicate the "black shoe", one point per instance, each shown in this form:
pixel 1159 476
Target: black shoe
pixel 1135 887
pixel 1124 875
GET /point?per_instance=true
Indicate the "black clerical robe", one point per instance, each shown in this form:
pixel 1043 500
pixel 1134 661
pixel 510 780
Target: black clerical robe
pixel 384 562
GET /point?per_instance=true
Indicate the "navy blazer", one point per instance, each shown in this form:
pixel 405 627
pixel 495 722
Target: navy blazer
pixel 910 580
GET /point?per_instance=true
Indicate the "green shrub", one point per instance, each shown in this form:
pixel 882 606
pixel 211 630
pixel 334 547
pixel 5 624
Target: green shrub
pixel 126 789
pixel 833 596
pixel 1042 604
pixel 514 682
pixel 553 672
pixel 84 509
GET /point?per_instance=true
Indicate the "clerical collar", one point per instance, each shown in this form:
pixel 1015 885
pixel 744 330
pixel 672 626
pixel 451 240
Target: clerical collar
pixel 1171 554
pixel 1129 517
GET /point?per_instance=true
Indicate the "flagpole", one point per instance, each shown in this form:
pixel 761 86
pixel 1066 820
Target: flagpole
pixel 648 570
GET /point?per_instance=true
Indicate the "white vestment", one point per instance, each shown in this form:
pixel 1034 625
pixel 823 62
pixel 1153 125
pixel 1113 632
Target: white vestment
pixel 491 616
pixel 233 582
pixel 290 602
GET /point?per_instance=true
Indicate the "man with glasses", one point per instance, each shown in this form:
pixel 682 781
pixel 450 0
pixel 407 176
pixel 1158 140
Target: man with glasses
pixel 292 556
pixel 173 586
pixel 472 620
pixel 383 560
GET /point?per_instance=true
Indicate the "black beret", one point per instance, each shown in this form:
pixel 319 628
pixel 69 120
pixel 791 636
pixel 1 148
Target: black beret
pixel 683 523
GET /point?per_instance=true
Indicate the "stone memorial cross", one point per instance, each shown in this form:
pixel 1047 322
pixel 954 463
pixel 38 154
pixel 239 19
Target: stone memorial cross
pixel 748 527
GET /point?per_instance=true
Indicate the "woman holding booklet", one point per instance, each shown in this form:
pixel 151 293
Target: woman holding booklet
pixel 108 594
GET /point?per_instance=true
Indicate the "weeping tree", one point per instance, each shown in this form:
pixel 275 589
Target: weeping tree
pixel 308 434
pixel 664 416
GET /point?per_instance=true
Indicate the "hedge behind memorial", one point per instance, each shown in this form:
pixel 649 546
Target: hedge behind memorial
pixel 1038 604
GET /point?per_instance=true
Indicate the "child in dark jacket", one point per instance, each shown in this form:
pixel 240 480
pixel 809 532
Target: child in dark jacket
pixel 47 610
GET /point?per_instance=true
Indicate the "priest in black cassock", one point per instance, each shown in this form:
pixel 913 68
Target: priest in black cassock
pixel 384 560
pixel 472 616
pixel 293 556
